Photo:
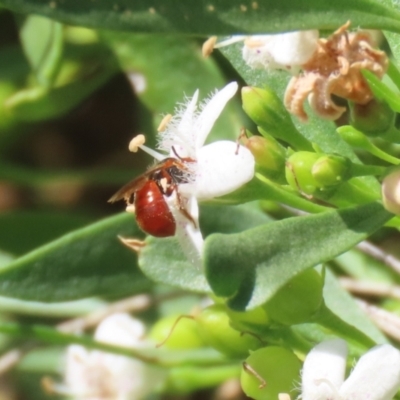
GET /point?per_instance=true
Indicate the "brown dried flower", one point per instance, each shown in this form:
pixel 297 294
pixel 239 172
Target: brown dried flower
pixel 335 69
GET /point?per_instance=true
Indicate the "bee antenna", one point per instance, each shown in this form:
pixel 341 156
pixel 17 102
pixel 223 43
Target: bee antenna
pixel 174 151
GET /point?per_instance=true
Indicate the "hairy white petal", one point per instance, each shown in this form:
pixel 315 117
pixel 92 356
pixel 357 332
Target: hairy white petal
pixel 188 232
pixel 211 112
pixel 323 370
pixel 375 377
pixel 187 115
pixel 221 169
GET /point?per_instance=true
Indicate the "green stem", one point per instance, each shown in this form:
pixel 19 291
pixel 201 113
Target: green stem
pixel 366 170
pixel 151 356
pixel 276 193
pixel 330 320
pixel 296 341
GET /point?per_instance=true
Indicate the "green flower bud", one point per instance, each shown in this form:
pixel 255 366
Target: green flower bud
pixel 270 156
pixel 298 300
pixel 216 331
pixel 373 118
pixel 298 172
pixel 184 335
pixel 330 170
pixel 265 108
pixel 391 192
pixel 270 371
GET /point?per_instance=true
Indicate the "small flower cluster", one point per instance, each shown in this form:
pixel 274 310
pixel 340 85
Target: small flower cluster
pixel 98 375
pixel 322 68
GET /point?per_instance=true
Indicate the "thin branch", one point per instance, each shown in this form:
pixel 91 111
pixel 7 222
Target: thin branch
pixel 366 288
pixel 132 304
pixel 388 322
pixel 380 255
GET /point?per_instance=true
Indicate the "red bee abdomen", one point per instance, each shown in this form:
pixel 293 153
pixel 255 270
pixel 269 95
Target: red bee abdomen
pixel 152 212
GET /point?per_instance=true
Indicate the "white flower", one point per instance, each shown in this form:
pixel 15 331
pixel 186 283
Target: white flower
pixel 287 50
pixel 376 375
pixel 96 375
pixel 281 51
pixel 217 169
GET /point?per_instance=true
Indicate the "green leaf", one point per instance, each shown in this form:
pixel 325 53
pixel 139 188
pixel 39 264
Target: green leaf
pixel 382 91
pixel 250 267
pixel 42 41
pixel 22 231
pixel 216 17
pixel 162 260
pixel 38 103
pixel 342 304
pixel 87 262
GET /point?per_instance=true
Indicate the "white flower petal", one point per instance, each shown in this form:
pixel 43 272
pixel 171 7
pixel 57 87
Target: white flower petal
pixel 323 370
pixel 280 51
pixel 76 362
pixel 98 375
pixel 221 169
pixel 120 329
pixel 375 377
pixel 211 112
pixel 188 235
pixel 187 116
pixel 294 48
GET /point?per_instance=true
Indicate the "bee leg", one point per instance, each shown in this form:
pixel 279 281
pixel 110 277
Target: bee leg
pixel 183 210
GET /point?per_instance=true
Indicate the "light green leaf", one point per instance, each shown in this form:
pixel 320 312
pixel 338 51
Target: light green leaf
pixel 42 41
pixel 215 17
pixel 342 304
pixel 87 262
pixel 250 267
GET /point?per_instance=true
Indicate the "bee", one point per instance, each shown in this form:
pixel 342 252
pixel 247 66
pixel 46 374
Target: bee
pixel 147 192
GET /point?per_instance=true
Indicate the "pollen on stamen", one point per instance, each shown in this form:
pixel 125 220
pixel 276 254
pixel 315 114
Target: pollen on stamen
pixel 137 141
pixel 208 46
pixel 130 208
pixel 164 122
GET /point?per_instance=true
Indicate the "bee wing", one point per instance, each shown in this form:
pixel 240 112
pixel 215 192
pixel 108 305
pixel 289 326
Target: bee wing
pixel 129 189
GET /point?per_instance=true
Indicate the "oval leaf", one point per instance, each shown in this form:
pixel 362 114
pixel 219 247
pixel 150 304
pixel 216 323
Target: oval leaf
pixel 87 262
pixel 221 17
pixel 162 260
pixel 250 267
